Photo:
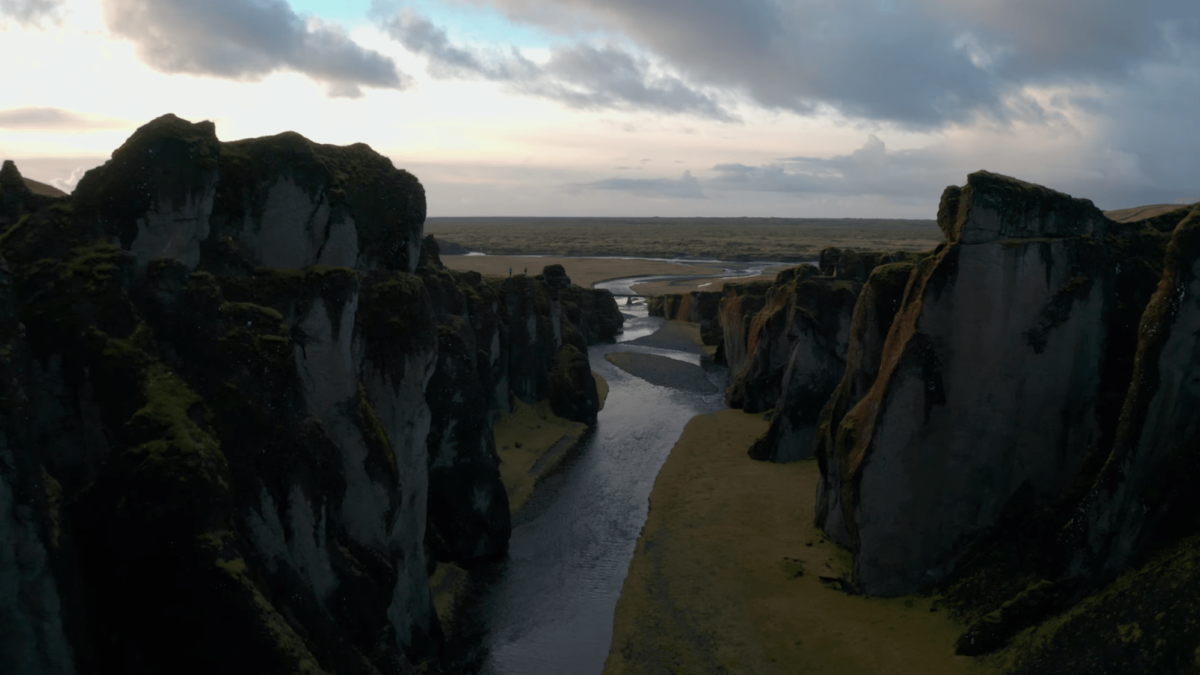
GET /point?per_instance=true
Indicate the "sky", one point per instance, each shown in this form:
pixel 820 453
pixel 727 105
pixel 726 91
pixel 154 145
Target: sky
pixel 801 108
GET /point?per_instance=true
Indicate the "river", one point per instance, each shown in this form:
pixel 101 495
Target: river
pixel 547 609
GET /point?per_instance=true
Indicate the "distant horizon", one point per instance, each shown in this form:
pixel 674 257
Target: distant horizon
pixel 557 108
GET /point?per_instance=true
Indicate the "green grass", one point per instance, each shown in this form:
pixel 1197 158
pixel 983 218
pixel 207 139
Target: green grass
pixel 720 238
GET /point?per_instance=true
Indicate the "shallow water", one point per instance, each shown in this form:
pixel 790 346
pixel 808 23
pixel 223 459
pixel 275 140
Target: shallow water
pixel 548 608
pixel 732 271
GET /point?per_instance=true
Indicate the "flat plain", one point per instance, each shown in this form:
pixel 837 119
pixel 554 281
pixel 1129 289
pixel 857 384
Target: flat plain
pixel 582 271
pixel 744 239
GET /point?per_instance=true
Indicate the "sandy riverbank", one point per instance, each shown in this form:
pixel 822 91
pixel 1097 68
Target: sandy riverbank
pixel 531 440
pixel 724 578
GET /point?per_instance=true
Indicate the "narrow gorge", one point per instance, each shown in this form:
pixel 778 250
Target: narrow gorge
pixel 251 423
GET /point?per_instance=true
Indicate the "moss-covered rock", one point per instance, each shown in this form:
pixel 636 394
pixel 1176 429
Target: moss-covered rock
pixel 573 394
pixel 987 322
pixel 876 308
pixel 1145 488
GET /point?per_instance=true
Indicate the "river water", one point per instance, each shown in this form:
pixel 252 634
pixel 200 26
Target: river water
pixel 547 609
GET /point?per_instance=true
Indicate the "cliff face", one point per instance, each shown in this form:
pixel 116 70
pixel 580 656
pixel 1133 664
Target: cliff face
pixel 702 307
pixel 836 336
pixel 874 312
pixel 235 419
pixel 1147 482
pixel 793 336
pixel 999 379
pixel 737 308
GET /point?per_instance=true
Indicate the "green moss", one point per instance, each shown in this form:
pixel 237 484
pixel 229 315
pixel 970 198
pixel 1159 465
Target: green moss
pixel 13 230
pixel 164 425
pixel 1145 621
pixel 54 495
pixel 892 274
pixel 251 313
pixel 375 435
pixel 287 643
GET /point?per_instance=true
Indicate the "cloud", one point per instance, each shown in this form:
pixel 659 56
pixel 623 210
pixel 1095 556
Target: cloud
pixel 920 64
pixel 580 75
pixel 31 13
pixel 248 40
pixel 54 119
pixel 684 187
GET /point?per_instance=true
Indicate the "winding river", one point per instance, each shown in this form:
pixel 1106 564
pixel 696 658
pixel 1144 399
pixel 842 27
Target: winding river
pixel 548 607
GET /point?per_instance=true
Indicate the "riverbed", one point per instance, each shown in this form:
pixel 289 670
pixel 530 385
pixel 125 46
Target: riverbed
pixel 548 607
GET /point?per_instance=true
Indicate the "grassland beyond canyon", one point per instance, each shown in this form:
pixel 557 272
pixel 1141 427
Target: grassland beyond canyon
pixel 785 239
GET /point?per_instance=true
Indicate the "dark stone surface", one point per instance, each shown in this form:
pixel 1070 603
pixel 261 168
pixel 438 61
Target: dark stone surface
pixel 214 463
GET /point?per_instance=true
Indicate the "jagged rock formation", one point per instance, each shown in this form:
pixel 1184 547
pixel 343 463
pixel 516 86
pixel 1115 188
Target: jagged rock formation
pixel 794 337
pixel 874 312
pixel 16 196
pixel 1149 474
pixel 737 309
pixel 701 307
pixel 233 413
pixel 800 334
pixel 839 327
pixel 999 380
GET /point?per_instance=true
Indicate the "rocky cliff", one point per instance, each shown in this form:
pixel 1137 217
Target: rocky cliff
pixel 700 307
pixel 244 416
pixel 874 312
pixel 999 379
pixel 792 335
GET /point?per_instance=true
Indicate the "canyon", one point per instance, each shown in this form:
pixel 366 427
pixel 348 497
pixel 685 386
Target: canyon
pixel 248 414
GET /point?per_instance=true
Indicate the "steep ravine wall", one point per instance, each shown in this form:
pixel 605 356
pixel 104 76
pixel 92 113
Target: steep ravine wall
pixel 247 411
pixel 1008 421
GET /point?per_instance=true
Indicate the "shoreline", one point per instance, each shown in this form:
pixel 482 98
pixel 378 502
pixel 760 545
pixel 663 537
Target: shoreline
pixel 725 576
pixel 544 439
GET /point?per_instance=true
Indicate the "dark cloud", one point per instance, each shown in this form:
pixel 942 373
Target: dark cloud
pixel 580 76
pixel 920 63
pixel 54 119
pixel 30 13
pixel 248 40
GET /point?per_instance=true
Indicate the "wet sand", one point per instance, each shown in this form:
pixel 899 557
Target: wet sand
pixel 663 371
pixel 678 335
pixel 724 578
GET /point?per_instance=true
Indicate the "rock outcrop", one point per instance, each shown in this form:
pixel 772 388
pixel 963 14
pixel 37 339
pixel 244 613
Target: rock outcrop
pixel 837 331
pixel 793 334
pixel 1149 475
pixel 738 306
pixel 699 307
pixel 874 312
pixel 237 415
pixel 799 336
pixel 999 381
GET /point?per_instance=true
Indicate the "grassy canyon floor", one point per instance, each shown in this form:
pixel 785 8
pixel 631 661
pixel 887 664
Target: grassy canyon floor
pixel 724 578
